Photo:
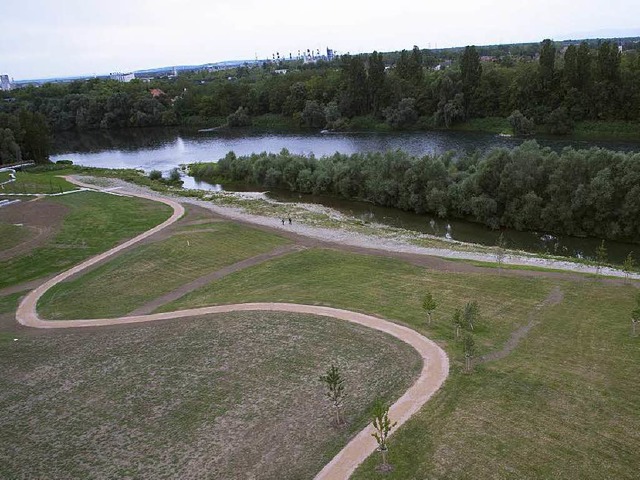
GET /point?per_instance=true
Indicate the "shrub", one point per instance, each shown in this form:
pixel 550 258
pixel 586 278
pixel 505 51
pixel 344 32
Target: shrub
pixel 240 118
pixel 520 124
pixel 155 175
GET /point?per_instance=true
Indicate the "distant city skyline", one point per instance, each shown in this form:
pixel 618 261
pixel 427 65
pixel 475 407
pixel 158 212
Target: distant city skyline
pixel 44 39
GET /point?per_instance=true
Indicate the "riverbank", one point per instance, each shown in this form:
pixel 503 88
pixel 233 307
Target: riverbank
pixel 325 224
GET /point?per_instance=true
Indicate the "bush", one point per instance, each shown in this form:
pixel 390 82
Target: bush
pixel 313 114
pixel 520 124
pixel 64 162
pixel 404 115
pixel 155 175
pixel 174 176
pixel 240 118
pixel 559 122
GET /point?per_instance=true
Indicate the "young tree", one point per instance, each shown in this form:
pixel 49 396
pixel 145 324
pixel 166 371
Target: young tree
pixel 335 390
pixel 629 265
pixel 469 347
pixel 601 257
pixel 429 304
pixel 471 72
pixel 471 314
pixel 382 426
pixel 456 320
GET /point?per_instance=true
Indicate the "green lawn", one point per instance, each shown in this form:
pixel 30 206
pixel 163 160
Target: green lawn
pixel 563 404
pixel 383 286
pixel 95 223
pixel 11 235
pixel 42 182
pixel 226 396
pixel 149 271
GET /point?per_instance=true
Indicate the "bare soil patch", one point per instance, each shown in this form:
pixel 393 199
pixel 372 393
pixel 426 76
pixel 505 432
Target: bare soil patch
pixel 42 218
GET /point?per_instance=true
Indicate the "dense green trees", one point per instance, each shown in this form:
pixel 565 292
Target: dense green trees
pixel 577 192
pixel 23 136
pixel 554 87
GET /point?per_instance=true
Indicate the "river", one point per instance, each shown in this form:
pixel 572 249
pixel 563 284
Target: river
pixel 164 149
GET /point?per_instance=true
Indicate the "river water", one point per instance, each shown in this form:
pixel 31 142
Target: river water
pixel 164 149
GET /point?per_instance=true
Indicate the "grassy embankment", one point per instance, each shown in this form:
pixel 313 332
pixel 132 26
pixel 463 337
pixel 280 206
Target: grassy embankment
pixel 149 271
pixel 44 182
pixel 562 405
pixel 94 222
pixel 225 396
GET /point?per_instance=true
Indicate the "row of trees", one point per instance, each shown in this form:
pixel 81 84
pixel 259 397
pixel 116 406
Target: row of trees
pixel 24 136
pixel 576 192
pixel 550 86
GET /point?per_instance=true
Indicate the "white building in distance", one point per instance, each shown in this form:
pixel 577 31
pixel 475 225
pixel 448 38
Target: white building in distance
pixel 5 83
pixel 122 77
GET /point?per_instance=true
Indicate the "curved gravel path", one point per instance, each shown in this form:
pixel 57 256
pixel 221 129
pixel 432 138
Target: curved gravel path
pixel 435 368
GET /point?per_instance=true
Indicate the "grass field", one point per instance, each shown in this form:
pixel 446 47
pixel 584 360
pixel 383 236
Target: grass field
pixel 151 270
pixel 11 235
pixel 95 222
pixel 42 182
pixel 228 396
pixel 563 404
pixel 383 286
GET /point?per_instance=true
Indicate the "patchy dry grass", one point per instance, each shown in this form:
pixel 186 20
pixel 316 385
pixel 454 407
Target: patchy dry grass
pixel 563 404
pixel 95 223
pixel 382 286
pixel 227 396
pixel 12 235
pixel 149 271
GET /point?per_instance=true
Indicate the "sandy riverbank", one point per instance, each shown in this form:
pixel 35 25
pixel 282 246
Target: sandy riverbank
pixel 389 239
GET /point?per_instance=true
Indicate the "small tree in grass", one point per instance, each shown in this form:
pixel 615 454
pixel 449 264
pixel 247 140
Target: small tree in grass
pixel 635 316
pixel 629 265
pixel 456 320
pixel 335 391
pixel 469 347
pixel 471 314
pixel 382 426
pixel 429 305
pixel 601 257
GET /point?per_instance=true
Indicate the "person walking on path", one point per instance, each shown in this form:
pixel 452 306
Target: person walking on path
pixel 283 222
pixel 289 220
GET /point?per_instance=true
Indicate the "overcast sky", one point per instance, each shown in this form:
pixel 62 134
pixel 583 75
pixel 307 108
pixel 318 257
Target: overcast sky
pixel 43 38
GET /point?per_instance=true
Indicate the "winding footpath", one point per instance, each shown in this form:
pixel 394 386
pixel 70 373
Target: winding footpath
pixel 435 366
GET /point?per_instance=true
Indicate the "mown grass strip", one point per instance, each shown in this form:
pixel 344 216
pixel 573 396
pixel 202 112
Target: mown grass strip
pixel 149 271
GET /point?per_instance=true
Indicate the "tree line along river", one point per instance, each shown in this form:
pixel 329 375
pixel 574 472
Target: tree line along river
pixel 164 149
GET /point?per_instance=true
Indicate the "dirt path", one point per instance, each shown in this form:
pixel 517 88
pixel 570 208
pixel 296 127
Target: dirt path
pixel 435 368
pixel 555 297
pixel 210 277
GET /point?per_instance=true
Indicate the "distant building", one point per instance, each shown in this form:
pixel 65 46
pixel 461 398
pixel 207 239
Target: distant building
pixel 330 54
pixel 156 92
pixel 122 77
pixel 5 83
pixel 280 71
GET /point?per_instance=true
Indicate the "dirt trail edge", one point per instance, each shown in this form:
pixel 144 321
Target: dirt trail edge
pixel 435 367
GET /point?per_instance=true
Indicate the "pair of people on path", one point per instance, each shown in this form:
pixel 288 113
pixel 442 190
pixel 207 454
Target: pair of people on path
pixel 284 219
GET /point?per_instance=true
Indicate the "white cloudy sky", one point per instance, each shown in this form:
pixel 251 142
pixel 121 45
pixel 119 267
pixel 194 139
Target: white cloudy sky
pixel 43 38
